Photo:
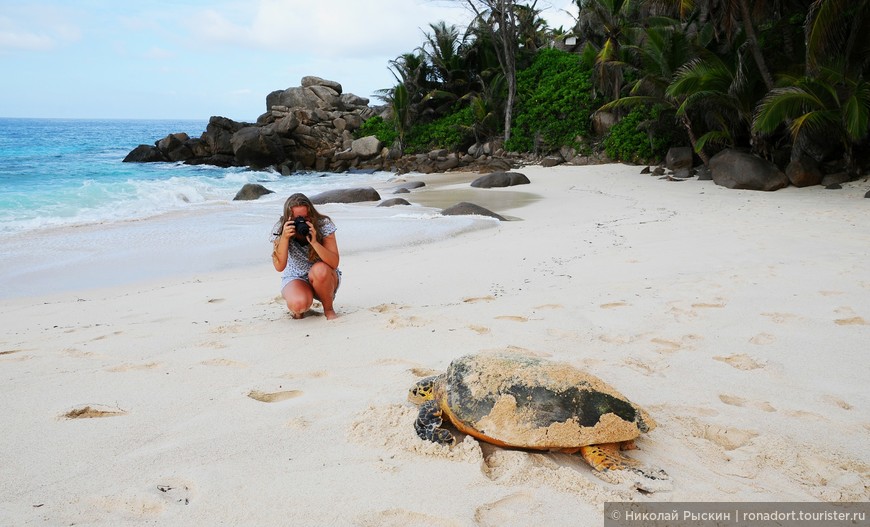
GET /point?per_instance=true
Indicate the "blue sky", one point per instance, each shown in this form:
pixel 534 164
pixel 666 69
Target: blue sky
pixel 191 59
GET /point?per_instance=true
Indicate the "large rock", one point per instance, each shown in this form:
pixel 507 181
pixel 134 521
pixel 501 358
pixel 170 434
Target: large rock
pixel 309 81
pixel 145 154
pixel 366 147
pixel 218 134
pixel 251 191
pixel 741 170
pixel 679 158
pixel 392 202
pixel 257 147
pixel 346 195
pixel 470 209
pixel 500 179
pixel 314 94
pixel 804 172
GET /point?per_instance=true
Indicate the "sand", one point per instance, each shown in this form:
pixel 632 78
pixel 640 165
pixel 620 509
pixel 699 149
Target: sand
pixel 739 320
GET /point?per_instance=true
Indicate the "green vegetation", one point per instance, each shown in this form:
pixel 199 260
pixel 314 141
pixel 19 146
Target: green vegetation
pixel 643 136
pixel 376 126
pixel 782 79
pixel 554 103
pixel 453 131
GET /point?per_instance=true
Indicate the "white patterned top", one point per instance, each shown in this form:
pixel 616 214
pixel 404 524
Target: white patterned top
pixel 298 264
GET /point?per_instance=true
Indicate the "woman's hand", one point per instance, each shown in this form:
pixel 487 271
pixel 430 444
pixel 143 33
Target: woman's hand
pixel 312 232
pixel 289 230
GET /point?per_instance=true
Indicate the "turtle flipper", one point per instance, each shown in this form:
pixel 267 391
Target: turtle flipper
pixel 606 457
pixel 428 425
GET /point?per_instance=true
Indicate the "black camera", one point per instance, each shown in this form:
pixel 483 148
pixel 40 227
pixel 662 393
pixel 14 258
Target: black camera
pixel 302 230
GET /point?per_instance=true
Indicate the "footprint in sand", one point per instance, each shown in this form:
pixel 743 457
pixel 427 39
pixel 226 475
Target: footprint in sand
pixel 273 397
pixel 401 518
pixel 9 356
pixel 316 374
pixel 728 438
pixel 780 318
pixel 104 337
pixel 512 318
pixel 549 306
pixel 396 322
pixel 505 511
pixel 836 401
pixel 133 367
pixel 853 321
pixel 480 330
pixel 224 362
pixel 709 305
pixel 386 308
pixel 93 412
pixel 762 339
pixel 686 342
pixel 473 300
pixel 741 362
pixel 734 400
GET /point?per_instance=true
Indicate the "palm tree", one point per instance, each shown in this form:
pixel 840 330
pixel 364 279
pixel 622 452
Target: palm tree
pixel 728 17
pixel 604 24
pixel 832 98
pixel 826 105
pixel 839 28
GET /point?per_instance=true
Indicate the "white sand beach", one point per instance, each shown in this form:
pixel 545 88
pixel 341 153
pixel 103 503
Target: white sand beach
pixel 739 320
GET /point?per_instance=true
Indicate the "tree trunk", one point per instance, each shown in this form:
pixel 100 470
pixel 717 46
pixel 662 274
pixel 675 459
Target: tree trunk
pixel 694 141
pixel 505 49
pixel 753 44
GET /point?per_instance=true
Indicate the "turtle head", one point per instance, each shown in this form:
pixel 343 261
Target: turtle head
pixel 423 390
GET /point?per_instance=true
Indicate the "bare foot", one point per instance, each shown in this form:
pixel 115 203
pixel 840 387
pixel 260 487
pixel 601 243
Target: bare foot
pixel 330 314
pixel 297 316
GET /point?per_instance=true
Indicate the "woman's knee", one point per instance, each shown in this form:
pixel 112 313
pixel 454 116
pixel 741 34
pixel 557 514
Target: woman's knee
pixel 298 296
pixel 321 272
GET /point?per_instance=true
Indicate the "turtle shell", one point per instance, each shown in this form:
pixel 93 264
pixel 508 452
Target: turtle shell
pixel 528 402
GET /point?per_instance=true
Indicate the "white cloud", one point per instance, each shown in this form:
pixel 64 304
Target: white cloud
pixel 334 28
pixel 34 30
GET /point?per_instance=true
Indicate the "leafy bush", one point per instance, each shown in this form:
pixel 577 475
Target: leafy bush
pixel 554 103
pixel 644 135
pixel 453 131
pixel 378 127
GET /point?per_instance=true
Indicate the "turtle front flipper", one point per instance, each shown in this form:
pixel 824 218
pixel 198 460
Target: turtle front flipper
pixel 606 457
pixel 428 425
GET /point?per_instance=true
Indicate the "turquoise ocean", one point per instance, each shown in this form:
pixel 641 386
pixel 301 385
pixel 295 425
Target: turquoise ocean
pixel 62 172
pixel 73 215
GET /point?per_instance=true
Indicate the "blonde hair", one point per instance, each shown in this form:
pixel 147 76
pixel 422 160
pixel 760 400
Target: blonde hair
pixel 298 200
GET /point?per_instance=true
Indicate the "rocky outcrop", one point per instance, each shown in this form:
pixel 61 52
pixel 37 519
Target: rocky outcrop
pixel 251 191
pixel 469 209
pixel 741 170
pixel 500 179
pixel 310 128
pixel 346 195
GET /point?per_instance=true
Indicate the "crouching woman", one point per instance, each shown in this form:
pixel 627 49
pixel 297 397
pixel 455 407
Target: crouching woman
pixel 306 254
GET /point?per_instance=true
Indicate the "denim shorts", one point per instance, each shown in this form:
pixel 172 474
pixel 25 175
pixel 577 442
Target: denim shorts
pixel 286 281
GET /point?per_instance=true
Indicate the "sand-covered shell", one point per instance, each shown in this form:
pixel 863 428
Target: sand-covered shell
pixel 528 402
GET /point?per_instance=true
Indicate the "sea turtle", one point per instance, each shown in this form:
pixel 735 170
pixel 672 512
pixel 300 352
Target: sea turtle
pixel 522 401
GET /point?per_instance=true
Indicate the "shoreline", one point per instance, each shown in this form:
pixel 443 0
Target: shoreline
pixel 737 319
